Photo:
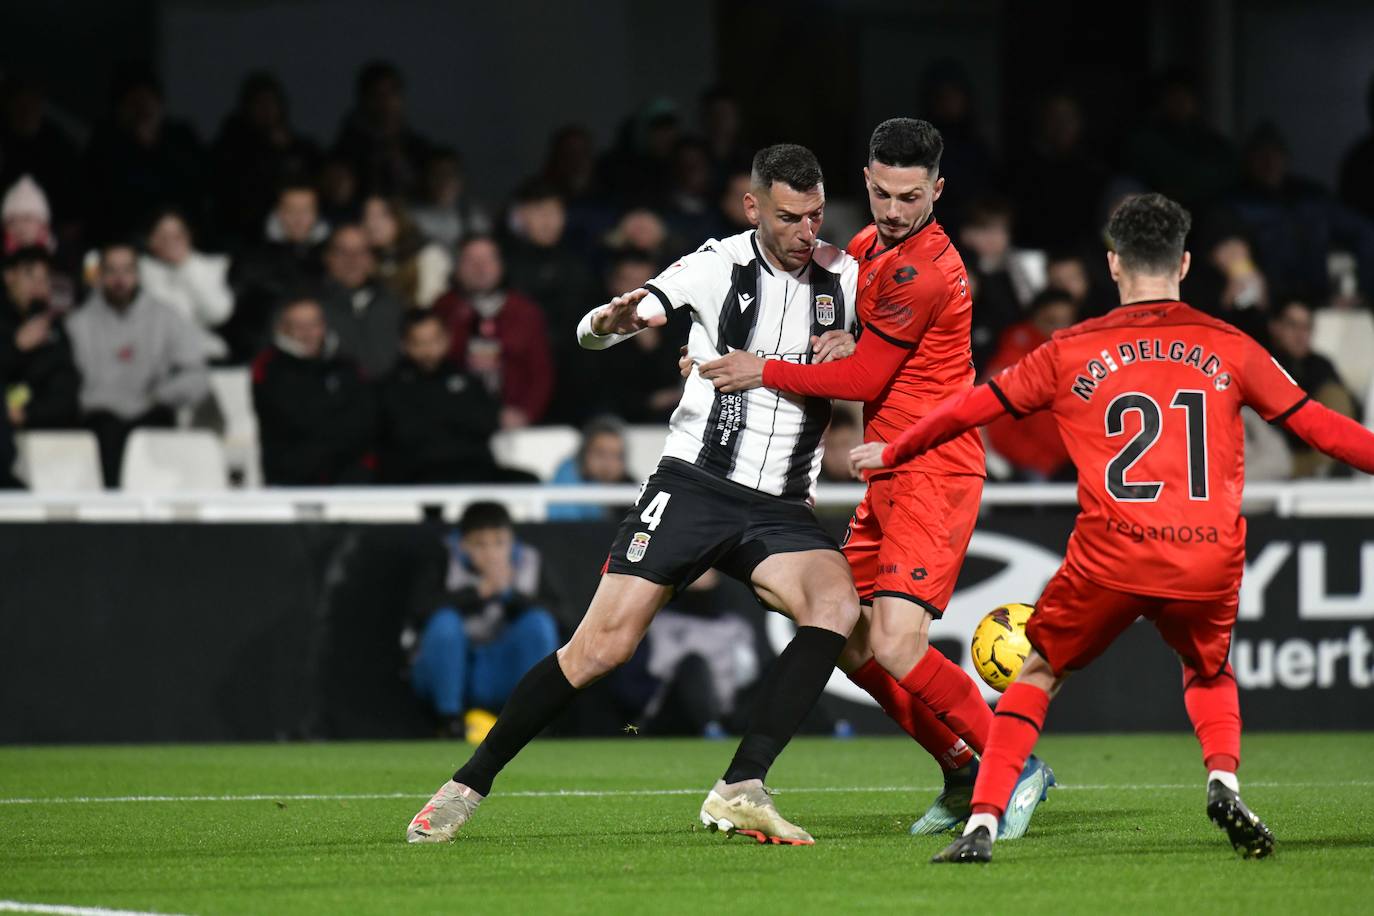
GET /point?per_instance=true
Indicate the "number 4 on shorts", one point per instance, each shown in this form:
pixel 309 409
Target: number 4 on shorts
pixel 653 513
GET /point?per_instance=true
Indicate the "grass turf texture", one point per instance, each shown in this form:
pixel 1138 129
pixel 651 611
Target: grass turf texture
pixel 1127 831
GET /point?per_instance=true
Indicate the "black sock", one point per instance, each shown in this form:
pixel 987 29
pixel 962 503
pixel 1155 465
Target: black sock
pixel 541 695
pixel 792 686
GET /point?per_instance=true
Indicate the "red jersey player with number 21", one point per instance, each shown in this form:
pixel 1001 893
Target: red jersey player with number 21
pixel 907 540
pixel 1148 400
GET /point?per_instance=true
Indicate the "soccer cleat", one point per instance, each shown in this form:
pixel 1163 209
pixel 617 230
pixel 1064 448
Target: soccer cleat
pixel 746 808
pixel 1246 831
pixel 1032 788
pixel 952 806
pixel 971 847
pixel 444 815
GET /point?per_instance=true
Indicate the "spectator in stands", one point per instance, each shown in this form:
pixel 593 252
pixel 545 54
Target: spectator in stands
pixel 641 229
pixel 435 420
pixel 651 384
pixel 1068 272
pixel 340 200
pixel 140 160
pixel 1290 339
pixel 1228 284
pixel 28 223
pixel 1003 283
pixel 571 169
pixel 139 359
pixel 600 459
pixel 1032 444
pixel 363 312
pixel 416 271
pixel 1357 169
pixel 1295 223
pixel 256 152
pixel 387 155
pixel 37 371
pixel 731 205
pixel 315 413
pixel 689 208
pixel 498 334
pixel 639 167
pixel 1057 179
pixel 493 622
pixel 845 432
pixel 722 132
pixel 286 263
pixel 444 212
pixel 539 262
pixel 192 282
pixel 947 101
pixel 34 144
pixel 1175 152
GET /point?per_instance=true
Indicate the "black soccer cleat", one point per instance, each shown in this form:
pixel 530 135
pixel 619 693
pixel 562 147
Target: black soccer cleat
pixel 1246 831
pixel 971 847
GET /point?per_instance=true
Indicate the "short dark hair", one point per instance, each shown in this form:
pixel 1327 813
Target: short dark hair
pixel 907 143
pixel 109 245
pixel 793 165
pixel 415 317
pixel 988 208
pixel 535 190
pixel 484 516
pixel 1048 296
pixel 27 256
pixel 1147 232
pixel 373 73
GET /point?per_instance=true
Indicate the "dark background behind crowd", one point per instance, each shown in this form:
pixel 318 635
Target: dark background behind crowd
pixel 395 218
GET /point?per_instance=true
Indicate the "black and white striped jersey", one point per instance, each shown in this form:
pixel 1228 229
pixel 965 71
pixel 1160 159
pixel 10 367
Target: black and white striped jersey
pixel 761 439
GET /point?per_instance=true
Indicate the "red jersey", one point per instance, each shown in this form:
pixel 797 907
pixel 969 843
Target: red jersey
pixel 913 299
pixel 1148 401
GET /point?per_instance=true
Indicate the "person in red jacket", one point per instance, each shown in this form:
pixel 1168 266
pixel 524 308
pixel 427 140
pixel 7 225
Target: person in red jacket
pixel 498 335
pixel 1148 398
pixel 1032 444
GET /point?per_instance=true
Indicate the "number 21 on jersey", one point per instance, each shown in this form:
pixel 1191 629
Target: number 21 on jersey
pixel 1193 404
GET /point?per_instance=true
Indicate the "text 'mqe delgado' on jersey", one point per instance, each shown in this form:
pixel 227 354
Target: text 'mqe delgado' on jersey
pixel 761 439
pixel 1148 401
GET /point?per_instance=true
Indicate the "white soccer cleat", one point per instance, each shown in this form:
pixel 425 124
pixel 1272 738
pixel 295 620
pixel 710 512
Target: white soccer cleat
pixel 444 815
pixel 746 808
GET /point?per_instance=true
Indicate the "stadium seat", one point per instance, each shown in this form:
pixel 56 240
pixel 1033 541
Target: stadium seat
pixel 537 449
pixel 162 460
pixel 233 390
pixel 1346 337
pixel 58 462
pixel 643 445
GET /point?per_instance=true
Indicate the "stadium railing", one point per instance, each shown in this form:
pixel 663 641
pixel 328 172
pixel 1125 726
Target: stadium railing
pixel 529 503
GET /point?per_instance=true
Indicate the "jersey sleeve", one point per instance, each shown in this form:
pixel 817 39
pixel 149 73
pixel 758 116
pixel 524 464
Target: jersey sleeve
pixel 1029 385
pixel 1265 386
pixel 907 303
pixel 690 279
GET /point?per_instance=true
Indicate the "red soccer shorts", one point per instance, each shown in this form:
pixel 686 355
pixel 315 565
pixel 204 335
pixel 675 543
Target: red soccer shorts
pixel 1075 621
pixel 909 535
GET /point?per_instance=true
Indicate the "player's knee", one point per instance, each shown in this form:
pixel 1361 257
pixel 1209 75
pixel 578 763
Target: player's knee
pixel 837 611
pixel 588 658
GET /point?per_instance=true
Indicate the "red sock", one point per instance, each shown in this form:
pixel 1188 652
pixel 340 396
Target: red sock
pixel 915 718
pixel 951 694
pixel 1214 708
pixel 1015 729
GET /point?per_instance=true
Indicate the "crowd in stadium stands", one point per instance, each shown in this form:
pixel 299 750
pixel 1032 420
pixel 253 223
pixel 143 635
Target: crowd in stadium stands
pixel 394 318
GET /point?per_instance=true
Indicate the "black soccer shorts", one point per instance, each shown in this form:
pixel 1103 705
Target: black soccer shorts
pixel 687 521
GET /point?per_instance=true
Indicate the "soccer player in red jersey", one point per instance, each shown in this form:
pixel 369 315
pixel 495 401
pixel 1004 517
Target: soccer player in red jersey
pixel 908 537
pixel 1148 400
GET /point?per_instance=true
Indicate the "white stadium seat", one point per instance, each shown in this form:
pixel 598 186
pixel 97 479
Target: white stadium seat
pixel 537 449
pixel 643 445
pixel 162 460
pixel 233 389
pixel 58 462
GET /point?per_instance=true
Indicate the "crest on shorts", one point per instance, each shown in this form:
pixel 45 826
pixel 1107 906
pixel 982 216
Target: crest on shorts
pixel 825 310
pixel 638 544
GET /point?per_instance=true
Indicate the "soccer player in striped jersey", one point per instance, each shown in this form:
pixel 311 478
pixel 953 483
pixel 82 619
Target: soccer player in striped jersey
pixel 733 490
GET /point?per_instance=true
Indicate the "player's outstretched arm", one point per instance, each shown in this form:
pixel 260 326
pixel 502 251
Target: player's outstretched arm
pixel 955 416
pixel 1334 434
pixel 621 318
pixel 861 377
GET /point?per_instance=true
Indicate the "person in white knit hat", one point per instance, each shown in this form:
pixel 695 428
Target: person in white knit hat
pixel 27 223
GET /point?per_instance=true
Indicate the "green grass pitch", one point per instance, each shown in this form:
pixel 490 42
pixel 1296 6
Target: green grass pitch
pixel 231 829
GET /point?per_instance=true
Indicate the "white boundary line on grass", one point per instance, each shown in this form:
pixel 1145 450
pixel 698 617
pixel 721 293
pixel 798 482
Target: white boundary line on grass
pixel 18 906
pixel 626 793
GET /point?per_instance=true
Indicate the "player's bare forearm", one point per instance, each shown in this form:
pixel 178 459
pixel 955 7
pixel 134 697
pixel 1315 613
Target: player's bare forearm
pixel 738 370
pixel 1334 434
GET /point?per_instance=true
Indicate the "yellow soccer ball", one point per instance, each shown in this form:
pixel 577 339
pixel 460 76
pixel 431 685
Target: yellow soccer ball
pixel 1000 646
